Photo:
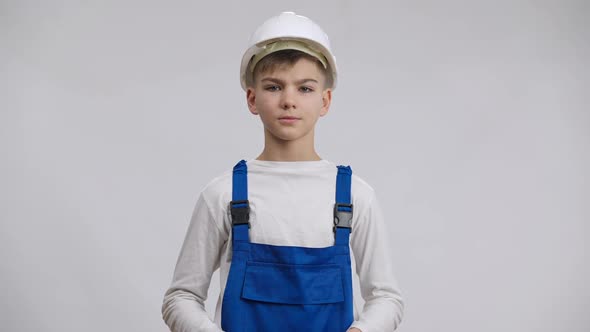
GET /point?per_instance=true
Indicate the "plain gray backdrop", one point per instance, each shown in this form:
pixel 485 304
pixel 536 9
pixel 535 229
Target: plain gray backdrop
pixel 469 118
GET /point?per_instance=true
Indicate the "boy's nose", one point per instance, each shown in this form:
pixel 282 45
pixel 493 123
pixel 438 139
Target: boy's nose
pixel 287 99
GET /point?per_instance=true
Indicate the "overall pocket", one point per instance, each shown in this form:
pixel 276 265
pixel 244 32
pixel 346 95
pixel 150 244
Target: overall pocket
pixel 285 297
pixel 293 284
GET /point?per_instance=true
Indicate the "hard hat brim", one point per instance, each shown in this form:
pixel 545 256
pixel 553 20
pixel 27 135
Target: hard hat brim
pixel 255 49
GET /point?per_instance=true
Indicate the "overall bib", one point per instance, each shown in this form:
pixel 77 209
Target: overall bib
pixel 274 288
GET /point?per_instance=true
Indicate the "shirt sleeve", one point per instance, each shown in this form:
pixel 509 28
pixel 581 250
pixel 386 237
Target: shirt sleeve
pixel 183 308
pixel 383 309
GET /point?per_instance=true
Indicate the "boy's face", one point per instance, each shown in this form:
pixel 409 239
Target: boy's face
pixel 296 91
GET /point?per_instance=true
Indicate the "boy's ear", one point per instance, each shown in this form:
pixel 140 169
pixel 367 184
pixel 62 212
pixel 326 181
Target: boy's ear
pixel 251 100
pixel 326 101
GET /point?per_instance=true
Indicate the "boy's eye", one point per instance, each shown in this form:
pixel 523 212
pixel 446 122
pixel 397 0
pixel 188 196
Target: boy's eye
pixel 272 88
pixel 306 89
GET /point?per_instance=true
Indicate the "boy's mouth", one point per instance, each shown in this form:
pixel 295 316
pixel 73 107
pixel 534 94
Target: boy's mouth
pixel 288 119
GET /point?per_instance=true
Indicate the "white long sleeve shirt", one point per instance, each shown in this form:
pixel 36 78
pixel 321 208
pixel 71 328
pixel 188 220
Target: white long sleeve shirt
pixel 291 204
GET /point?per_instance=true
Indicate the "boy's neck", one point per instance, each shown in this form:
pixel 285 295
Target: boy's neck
pixel 297 150
pixel 285 155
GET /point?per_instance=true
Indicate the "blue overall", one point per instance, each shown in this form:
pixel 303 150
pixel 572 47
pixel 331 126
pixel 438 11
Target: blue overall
pixel 286 288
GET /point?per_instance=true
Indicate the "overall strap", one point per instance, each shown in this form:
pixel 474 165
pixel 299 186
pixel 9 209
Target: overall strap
pixel 343 206
pixel 239 206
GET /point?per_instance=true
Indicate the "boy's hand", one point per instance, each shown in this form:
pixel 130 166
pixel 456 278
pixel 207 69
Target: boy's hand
pixel 354 329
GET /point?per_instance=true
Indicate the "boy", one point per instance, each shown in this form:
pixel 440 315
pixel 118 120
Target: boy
pixel 282 227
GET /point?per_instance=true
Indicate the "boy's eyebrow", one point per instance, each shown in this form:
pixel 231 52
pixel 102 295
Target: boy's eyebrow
pixel 272 79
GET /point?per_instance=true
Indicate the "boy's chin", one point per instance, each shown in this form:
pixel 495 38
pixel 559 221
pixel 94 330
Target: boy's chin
pixel 286 136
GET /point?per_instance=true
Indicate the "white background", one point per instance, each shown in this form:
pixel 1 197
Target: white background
pixel 469 118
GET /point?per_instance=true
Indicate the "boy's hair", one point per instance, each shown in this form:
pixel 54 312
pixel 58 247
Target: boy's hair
pixel 286 57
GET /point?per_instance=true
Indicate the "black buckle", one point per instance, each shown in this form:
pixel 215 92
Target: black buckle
pixel 240 215
pixel 342 219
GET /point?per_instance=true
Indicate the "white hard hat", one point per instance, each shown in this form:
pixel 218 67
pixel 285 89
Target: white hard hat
pixel 287 31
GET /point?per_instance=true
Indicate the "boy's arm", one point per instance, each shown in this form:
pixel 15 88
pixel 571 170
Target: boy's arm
pixel 383 309
pixel 183 307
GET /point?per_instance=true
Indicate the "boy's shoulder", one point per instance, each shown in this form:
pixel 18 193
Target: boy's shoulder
pixel 218 189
